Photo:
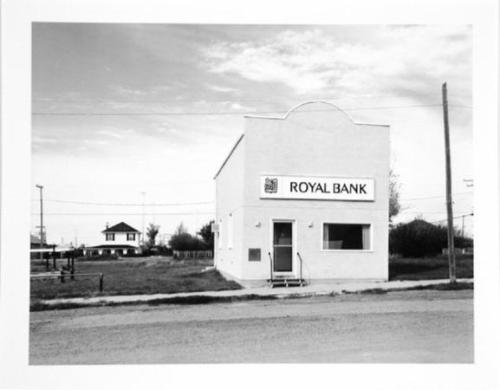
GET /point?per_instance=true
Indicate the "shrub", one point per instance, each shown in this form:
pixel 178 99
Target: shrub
pixel 420 238
pixel 186 242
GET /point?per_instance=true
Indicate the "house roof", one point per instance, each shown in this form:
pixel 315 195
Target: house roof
pixel 121 227
pixel 110 246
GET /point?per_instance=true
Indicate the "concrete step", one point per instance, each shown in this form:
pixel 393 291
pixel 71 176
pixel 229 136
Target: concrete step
pixel 286 282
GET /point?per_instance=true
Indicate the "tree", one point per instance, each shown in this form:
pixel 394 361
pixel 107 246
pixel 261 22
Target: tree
pixel 420 238
pixel 180 229
pixel 181 240
pixel 394 205
pixel 151 233
pixel 206 235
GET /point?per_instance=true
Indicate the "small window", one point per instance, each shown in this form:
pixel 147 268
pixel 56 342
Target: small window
pixel 130 236
pixel 339 236
pixel 219 241
pixel 110 236
pixel 230 231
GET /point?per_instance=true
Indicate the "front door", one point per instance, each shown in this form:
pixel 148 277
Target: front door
pixel 282 246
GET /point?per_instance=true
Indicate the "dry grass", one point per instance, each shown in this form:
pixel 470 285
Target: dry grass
pixel 132 276
pixel 429 268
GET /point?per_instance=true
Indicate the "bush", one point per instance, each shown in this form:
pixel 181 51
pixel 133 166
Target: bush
pixel 420 238
pixel 186 242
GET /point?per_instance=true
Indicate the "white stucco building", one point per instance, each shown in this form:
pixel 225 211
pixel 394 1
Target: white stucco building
pixel 304 196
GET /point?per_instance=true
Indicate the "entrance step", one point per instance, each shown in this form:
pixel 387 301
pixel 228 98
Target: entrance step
pixel 286 282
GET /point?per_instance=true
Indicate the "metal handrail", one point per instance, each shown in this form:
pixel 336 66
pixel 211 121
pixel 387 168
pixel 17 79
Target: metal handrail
pixel 300 265
pixel 271 265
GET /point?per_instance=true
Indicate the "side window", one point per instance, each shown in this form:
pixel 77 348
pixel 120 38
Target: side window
pixel 220 234
pixel 230 231
pixel 110 236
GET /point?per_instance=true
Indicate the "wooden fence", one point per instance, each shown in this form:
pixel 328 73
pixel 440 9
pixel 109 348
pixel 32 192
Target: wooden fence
pixel 181 255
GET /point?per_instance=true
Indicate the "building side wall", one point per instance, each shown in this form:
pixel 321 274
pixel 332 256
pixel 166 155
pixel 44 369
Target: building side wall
pixel 229 187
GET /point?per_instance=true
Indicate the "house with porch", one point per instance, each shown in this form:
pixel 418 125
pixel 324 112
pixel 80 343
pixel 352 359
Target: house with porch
pixel 120 239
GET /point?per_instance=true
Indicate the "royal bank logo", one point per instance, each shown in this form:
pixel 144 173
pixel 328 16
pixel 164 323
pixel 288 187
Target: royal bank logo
pixel 271 185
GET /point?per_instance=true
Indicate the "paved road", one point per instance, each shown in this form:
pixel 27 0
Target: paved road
pixel 416 326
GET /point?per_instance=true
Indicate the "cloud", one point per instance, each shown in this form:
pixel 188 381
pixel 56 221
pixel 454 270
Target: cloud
pixel 219 88
pixel 318 61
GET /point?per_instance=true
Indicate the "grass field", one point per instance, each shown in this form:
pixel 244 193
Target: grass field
pixel 132 276
pixel 429 268
pixel 164 275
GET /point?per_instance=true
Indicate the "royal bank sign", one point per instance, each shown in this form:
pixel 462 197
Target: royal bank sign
pixel 318 188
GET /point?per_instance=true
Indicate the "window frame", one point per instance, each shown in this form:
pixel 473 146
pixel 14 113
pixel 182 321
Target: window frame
pixel 369 250
pixel 112 235
pixel 133 236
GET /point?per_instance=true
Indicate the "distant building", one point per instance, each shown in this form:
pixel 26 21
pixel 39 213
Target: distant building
pixel 304 196
pixel 120 239
pixel 36 243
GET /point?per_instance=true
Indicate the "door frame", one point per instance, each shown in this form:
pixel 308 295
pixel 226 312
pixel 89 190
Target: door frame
pixel 294 245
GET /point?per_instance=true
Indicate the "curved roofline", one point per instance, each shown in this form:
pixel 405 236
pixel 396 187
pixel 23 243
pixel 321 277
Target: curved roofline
pixel 296 107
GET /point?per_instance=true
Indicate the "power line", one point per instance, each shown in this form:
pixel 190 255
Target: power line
pixel 131 214
pixel 422 212
pixel 436 196
pixel 455 217
pixel 223 113
pixel 213 101
pixel 127 204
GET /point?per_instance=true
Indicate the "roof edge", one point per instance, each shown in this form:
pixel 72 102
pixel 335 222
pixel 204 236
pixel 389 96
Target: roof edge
pixel 229 155
pixel 296 107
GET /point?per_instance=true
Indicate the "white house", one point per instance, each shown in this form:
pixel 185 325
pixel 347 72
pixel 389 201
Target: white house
pixel 120 239
pixel 304 197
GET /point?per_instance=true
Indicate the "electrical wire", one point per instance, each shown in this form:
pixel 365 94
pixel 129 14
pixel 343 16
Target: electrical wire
pixel 224 113
pixel 124 204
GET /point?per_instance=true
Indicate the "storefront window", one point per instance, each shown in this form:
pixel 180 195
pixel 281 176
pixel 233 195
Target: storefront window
pixel 346 236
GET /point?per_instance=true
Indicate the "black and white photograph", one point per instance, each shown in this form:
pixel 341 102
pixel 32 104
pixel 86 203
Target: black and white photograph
pixel 208 193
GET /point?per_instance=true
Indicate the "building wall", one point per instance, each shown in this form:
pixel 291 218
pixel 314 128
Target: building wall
pixel 121 239
pixel 314 140
pixel 229 201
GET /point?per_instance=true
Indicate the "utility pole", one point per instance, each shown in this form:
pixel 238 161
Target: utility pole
pixel 42 240
pixel 463 225
pixel 143 199
pixel 449 200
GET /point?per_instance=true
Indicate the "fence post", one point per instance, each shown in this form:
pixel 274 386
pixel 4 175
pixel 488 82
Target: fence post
pixel 72 268
pixel 101 282
pixel 62 276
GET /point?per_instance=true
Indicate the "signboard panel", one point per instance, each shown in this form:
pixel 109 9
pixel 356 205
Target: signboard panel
pixel 318 188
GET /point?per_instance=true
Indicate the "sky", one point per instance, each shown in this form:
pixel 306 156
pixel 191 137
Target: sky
pixel 126 114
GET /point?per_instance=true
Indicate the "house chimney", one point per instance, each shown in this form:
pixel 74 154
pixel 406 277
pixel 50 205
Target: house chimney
pixel 107 225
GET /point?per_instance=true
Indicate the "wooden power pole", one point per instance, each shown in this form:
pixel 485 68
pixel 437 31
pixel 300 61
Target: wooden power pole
pixel 41 220
pixel 449 200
